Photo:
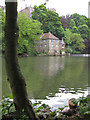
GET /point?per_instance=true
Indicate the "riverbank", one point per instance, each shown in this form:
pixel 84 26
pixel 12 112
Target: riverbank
pixel 84 55
pixel 77 109
pixel 43 54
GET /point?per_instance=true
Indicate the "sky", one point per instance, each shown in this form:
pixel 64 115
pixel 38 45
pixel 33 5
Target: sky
pixel 62 7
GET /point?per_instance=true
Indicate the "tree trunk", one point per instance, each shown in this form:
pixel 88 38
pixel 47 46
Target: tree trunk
pixel 15 77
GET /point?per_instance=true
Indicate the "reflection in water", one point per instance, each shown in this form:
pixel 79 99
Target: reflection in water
pixel 51 67
pixel 53 79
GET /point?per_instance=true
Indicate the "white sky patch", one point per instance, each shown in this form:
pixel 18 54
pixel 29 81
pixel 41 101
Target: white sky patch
pixel 62 7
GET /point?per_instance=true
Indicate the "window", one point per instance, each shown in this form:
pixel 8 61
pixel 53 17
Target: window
pixel 45 45
pixel 41 45
pixel 56 41
pixel 44 40
pixel 52 45
pixel 51 40
pixel 56 45
pixel 62 45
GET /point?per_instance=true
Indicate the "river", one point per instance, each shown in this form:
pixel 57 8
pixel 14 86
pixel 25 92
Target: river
pixel 52 79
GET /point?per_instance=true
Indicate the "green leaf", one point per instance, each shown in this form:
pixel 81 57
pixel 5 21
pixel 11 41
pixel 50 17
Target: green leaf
pixel 9 96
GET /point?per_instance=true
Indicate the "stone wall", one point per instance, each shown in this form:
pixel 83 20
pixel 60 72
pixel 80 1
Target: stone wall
pixel 42 46
pixel 49 46
pixel 28 11
pixel 53 47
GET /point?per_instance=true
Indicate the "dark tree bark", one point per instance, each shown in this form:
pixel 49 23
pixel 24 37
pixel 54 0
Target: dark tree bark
pixel 15 77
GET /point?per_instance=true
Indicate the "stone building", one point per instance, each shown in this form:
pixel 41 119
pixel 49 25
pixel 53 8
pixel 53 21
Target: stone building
pixel 50 44
pixel 52 9
pixel 28 11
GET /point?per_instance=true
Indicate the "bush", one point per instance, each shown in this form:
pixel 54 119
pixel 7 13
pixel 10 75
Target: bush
pixel 44 112
pixel 76 52
pixel 62 51
pixel 68 50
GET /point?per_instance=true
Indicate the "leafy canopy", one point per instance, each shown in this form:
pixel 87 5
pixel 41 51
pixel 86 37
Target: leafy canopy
pixel 29 31
pixel 2 24
pixel 50 20
pixel 67 36
pixel 77 42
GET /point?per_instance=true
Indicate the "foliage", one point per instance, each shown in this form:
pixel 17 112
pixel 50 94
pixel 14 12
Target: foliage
pixel 82 20
pixel 78 24
pixel 76 17
pixel 50 20
pixel 29 31
pixel 68 50
pixel 81 23
pixel 88 28
pixel 74 29
pixel 43 111
pixel 88 22
pixel 83 29
pixel 76 52
pixel 72 24
pixel 2 24
pixel 7 105
pixel 53 113
pixel 67 36
pixel 89 33
pixel 64 22
pixel 83 105
pixel 77 42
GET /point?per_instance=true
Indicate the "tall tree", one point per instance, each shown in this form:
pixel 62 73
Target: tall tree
pixel 76 17
pixel 15 77
pixel 67 37
pixel 83 29
pixel 74 29
pixel 2 25
pixel 82 20
pixel 77 42
pixel 29 31
pixel 72 23
pixel 88 28
pixel 64 22
pixel 50 20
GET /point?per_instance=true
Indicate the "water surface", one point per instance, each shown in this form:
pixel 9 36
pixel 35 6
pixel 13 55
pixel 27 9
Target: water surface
pixel 53 80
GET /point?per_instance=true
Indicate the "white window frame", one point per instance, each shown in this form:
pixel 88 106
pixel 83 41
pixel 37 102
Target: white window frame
pixel 56 45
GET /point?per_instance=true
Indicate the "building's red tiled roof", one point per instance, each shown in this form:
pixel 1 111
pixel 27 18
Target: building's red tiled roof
pixel 48 36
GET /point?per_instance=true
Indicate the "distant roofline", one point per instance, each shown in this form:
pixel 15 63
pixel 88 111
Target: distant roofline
pixel 48 35
pixel 50 38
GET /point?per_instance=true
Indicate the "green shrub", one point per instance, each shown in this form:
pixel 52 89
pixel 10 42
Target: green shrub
pixel 83 105
pixel 76 52
pixel 62 51
pixel 68 50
